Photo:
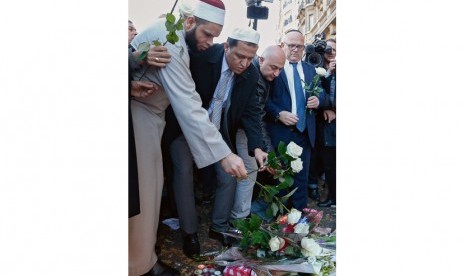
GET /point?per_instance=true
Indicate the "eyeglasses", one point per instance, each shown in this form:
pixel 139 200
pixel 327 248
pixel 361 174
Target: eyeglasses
pixel 295 46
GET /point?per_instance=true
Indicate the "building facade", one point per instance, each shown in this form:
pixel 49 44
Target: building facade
pixel 311 17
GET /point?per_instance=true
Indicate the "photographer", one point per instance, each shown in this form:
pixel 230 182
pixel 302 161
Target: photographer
pixel 325 148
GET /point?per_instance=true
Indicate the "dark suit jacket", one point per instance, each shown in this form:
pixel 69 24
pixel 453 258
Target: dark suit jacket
pixel 327 131
pixel 243 112
pixel 280 99
pixel 263 89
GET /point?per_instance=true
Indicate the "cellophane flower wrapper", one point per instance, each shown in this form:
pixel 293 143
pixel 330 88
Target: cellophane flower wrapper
pixel 233 257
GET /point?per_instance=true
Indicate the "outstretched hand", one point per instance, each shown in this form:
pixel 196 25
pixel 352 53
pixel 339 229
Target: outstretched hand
pixel 233 165
pixel 143 89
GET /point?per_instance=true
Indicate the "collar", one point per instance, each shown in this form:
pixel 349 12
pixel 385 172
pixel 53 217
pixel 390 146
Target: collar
pixel 289 64
pixel 224 64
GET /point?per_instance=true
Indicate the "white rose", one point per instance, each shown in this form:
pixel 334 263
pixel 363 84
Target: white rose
pixel 296 165
pixel 310 247
pixel 302 228
pixel 321 71
pixel 294 216
pixel 274 243
pixel 277 243
pixel 293 150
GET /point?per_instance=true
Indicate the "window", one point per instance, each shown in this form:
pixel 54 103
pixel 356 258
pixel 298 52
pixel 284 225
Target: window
pixel 310 21
pixel 288 20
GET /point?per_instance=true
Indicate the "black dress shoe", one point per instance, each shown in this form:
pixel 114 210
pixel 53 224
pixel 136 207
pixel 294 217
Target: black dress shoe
pixel 327 203
pixel 314 194
pixel 226 238
pixel 191 245
pixel 162 269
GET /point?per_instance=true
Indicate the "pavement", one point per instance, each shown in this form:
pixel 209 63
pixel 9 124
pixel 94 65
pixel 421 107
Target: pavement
pixel 169 242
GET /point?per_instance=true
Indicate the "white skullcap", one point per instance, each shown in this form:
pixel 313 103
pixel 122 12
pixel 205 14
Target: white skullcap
pixel 186 8
pixel 211 10
pixel 246 34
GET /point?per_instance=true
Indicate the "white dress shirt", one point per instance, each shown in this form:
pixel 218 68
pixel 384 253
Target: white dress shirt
pixel 289 71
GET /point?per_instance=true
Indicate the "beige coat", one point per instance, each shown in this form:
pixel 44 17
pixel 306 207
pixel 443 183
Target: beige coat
pixel 205 141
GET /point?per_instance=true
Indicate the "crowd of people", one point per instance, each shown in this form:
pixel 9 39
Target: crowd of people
pixel 216 111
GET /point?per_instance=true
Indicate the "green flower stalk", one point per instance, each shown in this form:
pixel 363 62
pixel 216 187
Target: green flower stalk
pixel 313 89
pixel 172 25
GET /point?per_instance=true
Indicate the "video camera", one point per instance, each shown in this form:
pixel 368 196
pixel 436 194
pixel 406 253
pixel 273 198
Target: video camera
pixel 255 10
pixel 315 52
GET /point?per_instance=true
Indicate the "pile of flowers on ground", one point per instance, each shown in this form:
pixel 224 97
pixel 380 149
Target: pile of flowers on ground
pixel 293 241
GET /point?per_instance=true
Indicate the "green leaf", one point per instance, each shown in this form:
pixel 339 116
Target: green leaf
pixel 329 239
pixel 267 197
pixel 289 180
pixel 156 43
pixel 269 212
pixel 274 226
pixel 274 208
pixel 289 250
pixel 179 25
pixel 172 38
pixel 282 186
pixel 142 56
pixel 315 79
pixel 259 238
pixel 170 18
pixel 255 222
pixel 271 155
pixel 286 197
pixel 245 241
pixel 170 27
pixel 242 225
pixel 273 191
pixel 282 148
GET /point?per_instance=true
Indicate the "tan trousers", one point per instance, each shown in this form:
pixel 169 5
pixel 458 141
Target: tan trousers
pixel 148 129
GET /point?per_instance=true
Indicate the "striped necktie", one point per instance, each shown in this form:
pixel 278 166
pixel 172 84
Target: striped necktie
pixel 219 96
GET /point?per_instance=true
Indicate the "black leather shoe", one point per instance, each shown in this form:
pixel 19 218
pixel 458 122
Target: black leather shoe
pixel 327 203
pixel 162 269
pixel 226 238
pixel 314 194
pixel 191 245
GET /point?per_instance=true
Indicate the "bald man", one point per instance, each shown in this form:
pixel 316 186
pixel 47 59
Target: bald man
pixel 270 64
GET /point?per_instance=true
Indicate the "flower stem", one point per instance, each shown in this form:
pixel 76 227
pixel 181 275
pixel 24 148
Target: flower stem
pixel 291 242
pixel 263 187
pixel 145 71
pixel 172 9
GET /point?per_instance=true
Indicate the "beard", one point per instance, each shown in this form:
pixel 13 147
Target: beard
pixel 191 41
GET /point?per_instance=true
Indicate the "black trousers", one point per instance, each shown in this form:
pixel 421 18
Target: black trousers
pixel 323 160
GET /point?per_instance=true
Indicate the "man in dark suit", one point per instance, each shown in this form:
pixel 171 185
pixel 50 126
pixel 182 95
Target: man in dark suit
pixel 269 64
pixel 227 85
pixel 288 118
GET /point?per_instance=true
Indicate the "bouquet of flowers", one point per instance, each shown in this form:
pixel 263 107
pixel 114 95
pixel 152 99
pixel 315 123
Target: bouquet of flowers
pixel 284 163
